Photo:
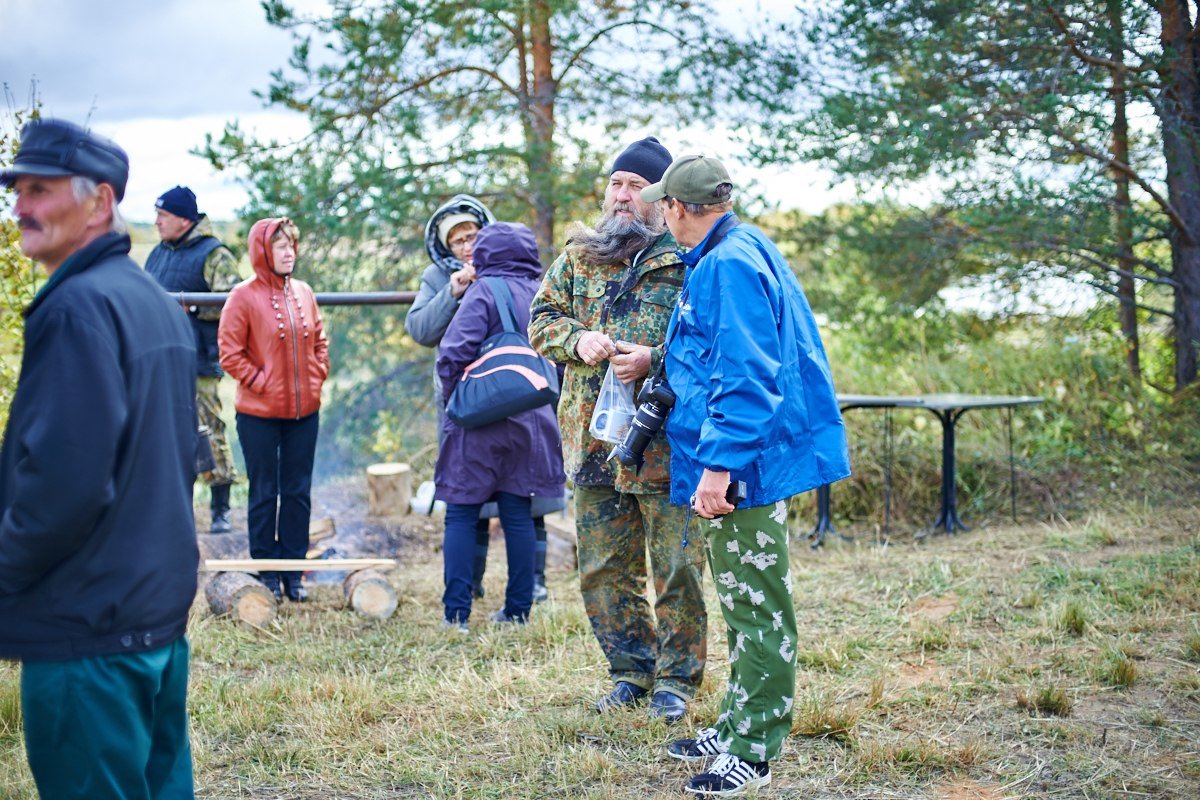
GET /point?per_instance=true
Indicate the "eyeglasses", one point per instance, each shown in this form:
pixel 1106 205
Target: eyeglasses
pixel 459 242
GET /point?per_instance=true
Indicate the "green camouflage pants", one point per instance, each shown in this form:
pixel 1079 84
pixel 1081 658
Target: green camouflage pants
pixel 208 412
pixel 663 650
pixel 748 555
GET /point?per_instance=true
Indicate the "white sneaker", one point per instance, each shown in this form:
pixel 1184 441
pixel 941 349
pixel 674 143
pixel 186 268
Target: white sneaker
pixel 728 776
pixel 455 627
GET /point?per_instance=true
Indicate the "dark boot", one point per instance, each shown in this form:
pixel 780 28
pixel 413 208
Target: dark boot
pixel 220 509
pixel 271 581
pixel 293 586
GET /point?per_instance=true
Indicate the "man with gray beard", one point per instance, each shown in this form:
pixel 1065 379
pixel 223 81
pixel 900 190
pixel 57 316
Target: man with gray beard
pixel 606 301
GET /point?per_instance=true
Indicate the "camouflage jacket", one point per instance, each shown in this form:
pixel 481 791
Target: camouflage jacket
pixel 629 303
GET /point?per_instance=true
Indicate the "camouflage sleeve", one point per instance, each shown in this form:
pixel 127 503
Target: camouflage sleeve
pixel 221 275
pixel 553 332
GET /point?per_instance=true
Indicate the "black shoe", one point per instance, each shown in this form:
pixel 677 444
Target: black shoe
pixel 221 523
pixel 477 590
pixel 271 581
pixel 668 706
pixel 220 509
pixel 294 588
pixel 623 694
pixel 729 775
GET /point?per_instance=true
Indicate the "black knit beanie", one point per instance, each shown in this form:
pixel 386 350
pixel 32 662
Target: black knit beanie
pixel 645 157
pixel 179 201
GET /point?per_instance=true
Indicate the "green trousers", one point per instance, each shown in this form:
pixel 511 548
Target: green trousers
pixel 663 650
pixel 109 727
pixel 748 555
pixel 208 412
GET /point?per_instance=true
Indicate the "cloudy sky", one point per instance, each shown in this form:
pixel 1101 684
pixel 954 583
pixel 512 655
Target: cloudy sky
pixel 155 78
pixel 160 74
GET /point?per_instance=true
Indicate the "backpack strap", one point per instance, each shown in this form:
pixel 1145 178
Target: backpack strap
pixel 504 303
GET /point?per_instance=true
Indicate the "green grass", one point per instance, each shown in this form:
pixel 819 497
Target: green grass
pixel 1024 661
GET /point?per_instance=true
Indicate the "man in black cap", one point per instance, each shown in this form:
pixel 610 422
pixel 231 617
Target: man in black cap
pixel 98 551
pixel 606 302
pixel 191 259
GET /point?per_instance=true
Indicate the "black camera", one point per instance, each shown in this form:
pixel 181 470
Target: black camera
pixel 655 401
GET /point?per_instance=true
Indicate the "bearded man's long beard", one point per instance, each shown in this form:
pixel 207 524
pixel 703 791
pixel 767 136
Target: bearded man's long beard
pixel 614 239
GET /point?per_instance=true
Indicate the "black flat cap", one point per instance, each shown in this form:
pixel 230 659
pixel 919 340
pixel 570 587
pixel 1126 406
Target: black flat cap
pixel 57 148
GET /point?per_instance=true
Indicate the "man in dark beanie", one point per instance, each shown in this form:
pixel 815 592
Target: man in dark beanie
pixel 98 551
pixel 604 304
pixel 191 259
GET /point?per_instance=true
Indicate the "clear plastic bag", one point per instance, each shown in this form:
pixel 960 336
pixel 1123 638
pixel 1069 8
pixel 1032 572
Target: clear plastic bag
pixel 614 409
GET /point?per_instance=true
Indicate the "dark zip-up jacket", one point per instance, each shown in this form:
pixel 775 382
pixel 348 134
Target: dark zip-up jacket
pixel 97 542
pixel 181 266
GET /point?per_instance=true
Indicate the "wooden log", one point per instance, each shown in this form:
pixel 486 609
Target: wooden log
pixel 389 489
pixel 295 564
pixel 320 529
pixel 369 593
pixel 240 596
pixel 561 542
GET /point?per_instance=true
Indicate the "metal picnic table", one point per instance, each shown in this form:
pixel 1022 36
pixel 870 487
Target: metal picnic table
pixel 948 408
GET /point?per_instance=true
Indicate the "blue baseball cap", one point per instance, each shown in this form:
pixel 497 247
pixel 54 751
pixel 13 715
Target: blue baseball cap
pixel 55 148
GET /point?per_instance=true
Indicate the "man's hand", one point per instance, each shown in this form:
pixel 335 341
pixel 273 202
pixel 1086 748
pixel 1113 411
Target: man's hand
pixel 709 500
pixel 460 280
pixel 593 347
pixel 632 362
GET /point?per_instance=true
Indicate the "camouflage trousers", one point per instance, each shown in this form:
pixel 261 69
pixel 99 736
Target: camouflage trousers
pixel 748 555
pixel 208 412
pixel 664 649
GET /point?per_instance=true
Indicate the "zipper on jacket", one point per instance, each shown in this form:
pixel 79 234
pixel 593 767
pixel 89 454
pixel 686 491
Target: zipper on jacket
pixel 287 287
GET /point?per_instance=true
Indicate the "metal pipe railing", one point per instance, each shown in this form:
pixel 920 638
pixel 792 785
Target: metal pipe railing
pixel 323 298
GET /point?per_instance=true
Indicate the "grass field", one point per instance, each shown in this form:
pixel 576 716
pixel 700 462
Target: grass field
pixel 1039 661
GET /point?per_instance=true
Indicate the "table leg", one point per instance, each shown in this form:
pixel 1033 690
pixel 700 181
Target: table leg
pixel 824 524
pixel 948 518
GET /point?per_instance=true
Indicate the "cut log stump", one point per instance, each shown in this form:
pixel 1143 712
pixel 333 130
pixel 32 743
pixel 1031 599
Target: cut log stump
pixel 389 489
pixel 241 596
pixel 369 593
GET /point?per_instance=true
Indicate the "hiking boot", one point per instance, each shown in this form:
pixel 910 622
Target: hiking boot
pixel 623 694
pixel 729 775
pixel 221 522
pixel 705 745
pixel 503 618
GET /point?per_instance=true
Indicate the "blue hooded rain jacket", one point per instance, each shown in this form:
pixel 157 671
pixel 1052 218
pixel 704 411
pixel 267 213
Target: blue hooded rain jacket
pixel 754 394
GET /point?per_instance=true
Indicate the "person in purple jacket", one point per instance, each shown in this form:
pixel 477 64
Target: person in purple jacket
pixel 510 461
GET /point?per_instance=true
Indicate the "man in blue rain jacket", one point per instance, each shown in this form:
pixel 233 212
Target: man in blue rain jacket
pixel 755 404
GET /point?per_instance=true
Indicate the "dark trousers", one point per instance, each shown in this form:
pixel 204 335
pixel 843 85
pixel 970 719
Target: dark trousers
pixel 109 727
pixel 459 553
pixel 279 464
pixel 483 539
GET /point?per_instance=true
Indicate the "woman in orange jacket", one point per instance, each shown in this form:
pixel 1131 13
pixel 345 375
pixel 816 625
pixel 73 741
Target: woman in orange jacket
pixel 272 342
